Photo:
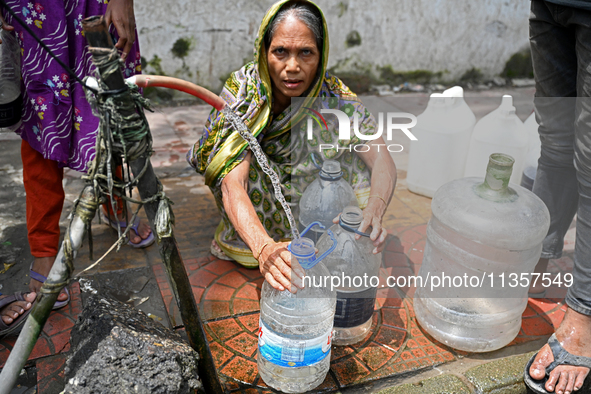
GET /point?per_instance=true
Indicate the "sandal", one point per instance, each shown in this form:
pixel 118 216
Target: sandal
pixel 17 324
pixel 144 243
pixel 40 278
pixel 561 357
pixel 218 252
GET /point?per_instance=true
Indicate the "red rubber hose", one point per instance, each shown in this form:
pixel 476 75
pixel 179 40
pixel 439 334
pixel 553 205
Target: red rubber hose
pixel 144 81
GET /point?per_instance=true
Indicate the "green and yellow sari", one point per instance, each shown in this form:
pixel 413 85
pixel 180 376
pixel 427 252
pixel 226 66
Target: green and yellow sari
pixel 283 138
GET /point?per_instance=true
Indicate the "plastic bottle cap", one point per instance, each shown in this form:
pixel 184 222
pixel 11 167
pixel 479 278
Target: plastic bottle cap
pixel 303 248
pixel 352 216
pixel 506 106
pixel 331 167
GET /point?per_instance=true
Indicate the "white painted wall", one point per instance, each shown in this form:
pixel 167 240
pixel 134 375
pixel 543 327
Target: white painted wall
pixel 436 35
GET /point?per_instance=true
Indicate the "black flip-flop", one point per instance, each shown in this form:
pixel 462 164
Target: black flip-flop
pixel 17 324
pixel 561 357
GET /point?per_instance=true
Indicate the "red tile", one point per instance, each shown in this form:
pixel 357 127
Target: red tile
pixel 250 322
pixel 233 279
pixel 349 370
pixel 375 356
pixel 244 306
pixel 220 354
pixel 197 293
pixel 340 352
pixel 390 337
pixel 217 292
pixel 41 349
pixel 395 259
pixel 394 245
pixel 418 353
pixel 244 371
pixel 3 356
pixel 413 364
pixel 394 318
pixel 243 343
pixel 215 309
pixel 57 323
pixel 529 312
pixel 220 267
pixel 251 273
pixel 555 318
pixel 422 340
pixel 50 371
pixel 542 305
pixel 411 344
pixel 406 355
pixel 61 341
pixel 448 356
pixel 201 278
pixel 409 238
pixel 393 302
pixel 249 292
pixel 224 329
pixel 536 326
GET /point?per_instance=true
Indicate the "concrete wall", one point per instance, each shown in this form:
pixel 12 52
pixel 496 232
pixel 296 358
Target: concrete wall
pixel 449 36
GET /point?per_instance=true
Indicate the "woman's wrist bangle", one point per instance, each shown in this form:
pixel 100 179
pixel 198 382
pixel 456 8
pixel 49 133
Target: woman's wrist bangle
pixel 261 250
pixel 380 197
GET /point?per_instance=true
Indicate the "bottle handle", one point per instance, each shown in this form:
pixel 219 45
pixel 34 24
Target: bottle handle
pixel 351 229
pixel 334 245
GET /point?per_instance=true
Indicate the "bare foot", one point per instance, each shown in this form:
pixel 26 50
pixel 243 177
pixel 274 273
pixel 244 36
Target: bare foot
pixel 541 268
pixel 12 311
pixel 573 334
pixel 144 231
pixel 143 228
pixel 42 265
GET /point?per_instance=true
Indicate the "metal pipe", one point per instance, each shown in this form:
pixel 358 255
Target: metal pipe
pixel 100 43
pixel 46 298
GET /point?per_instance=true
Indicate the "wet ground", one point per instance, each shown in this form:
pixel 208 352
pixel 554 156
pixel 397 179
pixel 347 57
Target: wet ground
pixel 396 351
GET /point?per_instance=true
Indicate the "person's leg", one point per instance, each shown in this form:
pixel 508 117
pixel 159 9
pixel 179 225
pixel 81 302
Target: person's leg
pixel 42 179
pixel 555 70
pixel 575 330
pixel 125 215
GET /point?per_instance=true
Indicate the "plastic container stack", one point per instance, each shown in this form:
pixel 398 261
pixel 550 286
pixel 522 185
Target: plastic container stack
pixel 482 230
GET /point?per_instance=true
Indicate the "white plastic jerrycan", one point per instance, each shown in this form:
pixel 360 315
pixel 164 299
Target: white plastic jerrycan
pixel 501 131
pixel 295 330
pixel 325 198
pixel 484 240
pixel 533 152
pixel 443 135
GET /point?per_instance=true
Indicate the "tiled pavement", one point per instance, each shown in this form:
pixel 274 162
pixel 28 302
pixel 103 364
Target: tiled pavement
pixel 228 294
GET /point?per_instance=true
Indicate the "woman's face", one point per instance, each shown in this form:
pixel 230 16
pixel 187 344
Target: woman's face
pixel 293 59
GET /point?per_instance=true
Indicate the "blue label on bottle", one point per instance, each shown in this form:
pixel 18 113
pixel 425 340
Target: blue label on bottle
pixel 292 353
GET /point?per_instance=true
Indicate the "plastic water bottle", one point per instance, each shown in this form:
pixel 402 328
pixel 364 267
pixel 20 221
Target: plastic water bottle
pixel 485 237
pixel 533 154
pixel 10 83
pixel 295 330
pixel 443 135
pixel 501 131
pixel 351 261
pixel 325 198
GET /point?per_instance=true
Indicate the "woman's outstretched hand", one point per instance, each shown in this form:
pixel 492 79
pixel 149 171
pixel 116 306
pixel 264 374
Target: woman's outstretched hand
pixel 120 14
pixel 371 218
pixel 275 263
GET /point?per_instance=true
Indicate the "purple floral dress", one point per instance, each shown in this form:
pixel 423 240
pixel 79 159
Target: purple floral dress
pixel 57 119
